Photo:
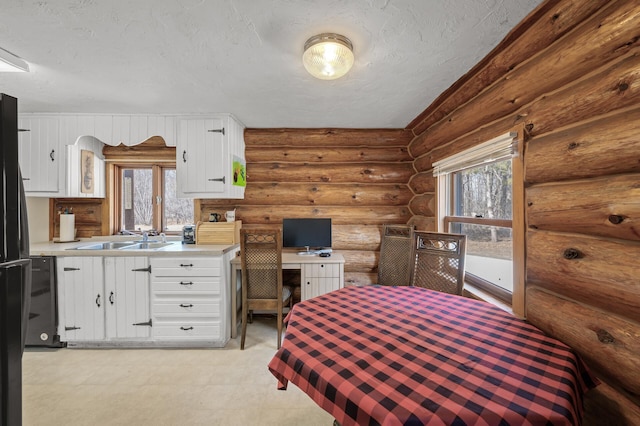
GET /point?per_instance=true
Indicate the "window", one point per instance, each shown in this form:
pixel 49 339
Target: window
pixel 147 199
pixel 476 198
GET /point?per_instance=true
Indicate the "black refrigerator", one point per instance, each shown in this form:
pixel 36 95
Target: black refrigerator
pixel 15 266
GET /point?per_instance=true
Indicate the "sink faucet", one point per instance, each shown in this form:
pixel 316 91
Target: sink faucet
pixel 163 237
pixel 145 236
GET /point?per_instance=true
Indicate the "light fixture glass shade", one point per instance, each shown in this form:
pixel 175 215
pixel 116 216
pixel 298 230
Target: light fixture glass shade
pixel 328 56
pixel 11 63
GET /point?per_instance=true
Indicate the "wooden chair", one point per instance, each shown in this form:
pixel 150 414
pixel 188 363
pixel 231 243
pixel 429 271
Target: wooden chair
pixel 262 289
pixel 439 261
pixel 395 264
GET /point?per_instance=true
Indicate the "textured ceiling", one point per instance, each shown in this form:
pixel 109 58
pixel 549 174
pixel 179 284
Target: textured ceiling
pixel 244 56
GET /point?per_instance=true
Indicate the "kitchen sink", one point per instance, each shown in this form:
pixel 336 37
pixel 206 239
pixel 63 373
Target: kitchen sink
pixel 108 245
pixel 149 245
pixel 125 245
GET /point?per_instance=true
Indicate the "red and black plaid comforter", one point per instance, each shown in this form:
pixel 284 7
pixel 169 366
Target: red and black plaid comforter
pixel 407 355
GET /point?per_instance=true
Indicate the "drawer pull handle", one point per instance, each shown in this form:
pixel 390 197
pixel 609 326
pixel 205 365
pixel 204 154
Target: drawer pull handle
pixel 186 305
pixel 98 300
pixel 186 265
pixel 186 328
pixel 111 298
pixel 186 283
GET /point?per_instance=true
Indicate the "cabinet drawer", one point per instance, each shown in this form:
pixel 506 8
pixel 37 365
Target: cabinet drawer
pixel 188 331
pixel 187 284
pixel 194 266
pixel 185 308
pixel 322 270
pixel 177 297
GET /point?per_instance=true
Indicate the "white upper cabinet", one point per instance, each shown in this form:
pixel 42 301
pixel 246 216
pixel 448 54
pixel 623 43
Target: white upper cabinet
pixel 206 150
pixel 61 154
pixel 85 171
pixel 40 155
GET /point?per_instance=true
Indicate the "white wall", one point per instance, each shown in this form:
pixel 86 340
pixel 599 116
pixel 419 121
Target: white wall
pixel 38 214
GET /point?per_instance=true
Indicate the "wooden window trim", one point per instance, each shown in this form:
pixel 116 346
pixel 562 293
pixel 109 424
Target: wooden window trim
pixel 157 188
pixel 502 223
pixel 518 232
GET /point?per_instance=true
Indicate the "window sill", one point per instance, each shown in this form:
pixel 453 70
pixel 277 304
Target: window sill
pixel 475 293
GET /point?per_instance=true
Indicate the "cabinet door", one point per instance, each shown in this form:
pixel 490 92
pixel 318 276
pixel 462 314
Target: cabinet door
pixel 39 154
pixel 81 301
pixel 315 286
pixel 202 162
pixel 127 297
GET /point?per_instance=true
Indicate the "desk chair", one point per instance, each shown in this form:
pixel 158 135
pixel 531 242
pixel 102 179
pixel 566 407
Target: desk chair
pixel 439 261
pixel 395 264
pixel 262 289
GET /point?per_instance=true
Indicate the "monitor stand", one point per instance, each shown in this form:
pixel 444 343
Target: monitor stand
pixel 306 253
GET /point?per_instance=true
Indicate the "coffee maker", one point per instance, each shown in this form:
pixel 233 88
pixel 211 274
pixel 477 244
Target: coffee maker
pixel 188 234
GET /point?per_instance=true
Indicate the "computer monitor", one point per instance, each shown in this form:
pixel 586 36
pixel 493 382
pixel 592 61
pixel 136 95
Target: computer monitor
pixel 314 233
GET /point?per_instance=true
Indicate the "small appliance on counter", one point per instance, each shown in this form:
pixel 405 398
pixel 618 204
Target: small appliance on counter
pixel 188 234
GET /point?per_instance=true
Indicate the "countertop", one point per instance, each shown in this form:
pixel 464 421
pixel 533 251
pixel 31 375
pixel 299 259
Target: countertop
pixel 50 248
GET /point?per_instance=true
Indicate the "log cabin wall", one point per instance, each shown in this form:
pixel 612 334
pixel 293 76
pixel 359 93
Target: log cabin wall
pixel 570 73
pixel 358 178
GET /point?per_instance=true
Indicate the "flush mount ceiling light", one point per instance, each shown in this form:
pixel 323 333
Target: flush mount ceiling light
pixel 328 56
pixel 11 63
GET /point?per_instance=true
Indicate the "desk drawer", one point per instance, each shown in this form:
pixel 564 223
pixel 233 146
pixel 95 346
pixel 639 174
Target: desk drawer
pixel 322 270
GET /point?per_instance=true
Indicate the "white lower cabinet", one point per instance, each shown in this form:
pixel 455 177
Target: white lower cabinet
pixel 189 301
pixel 81 301
pixel 321 278
pixel 141 301
pixel 127 298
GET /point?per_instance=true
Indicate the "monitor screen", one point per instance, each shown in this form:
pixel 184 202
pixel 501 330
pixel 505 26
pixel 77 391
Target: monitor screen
pixel 314 233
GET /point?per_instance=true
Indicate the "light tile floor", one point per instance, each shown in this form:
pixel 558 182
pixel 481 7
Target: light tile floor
pixel 164 386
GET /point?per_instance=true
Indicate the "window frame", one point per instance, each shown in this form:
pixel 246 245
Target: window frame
pixel 157 185
pixel 444 205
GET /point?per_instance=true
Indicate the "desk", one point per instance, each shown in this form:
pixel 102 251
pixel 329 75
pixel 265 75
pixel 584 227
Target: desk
pixel 318 275
pixel 408 355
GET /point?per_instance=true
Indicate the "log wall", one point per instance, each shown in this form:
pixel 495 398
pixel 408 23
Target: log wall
pixel 358 178
pixel 570 73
